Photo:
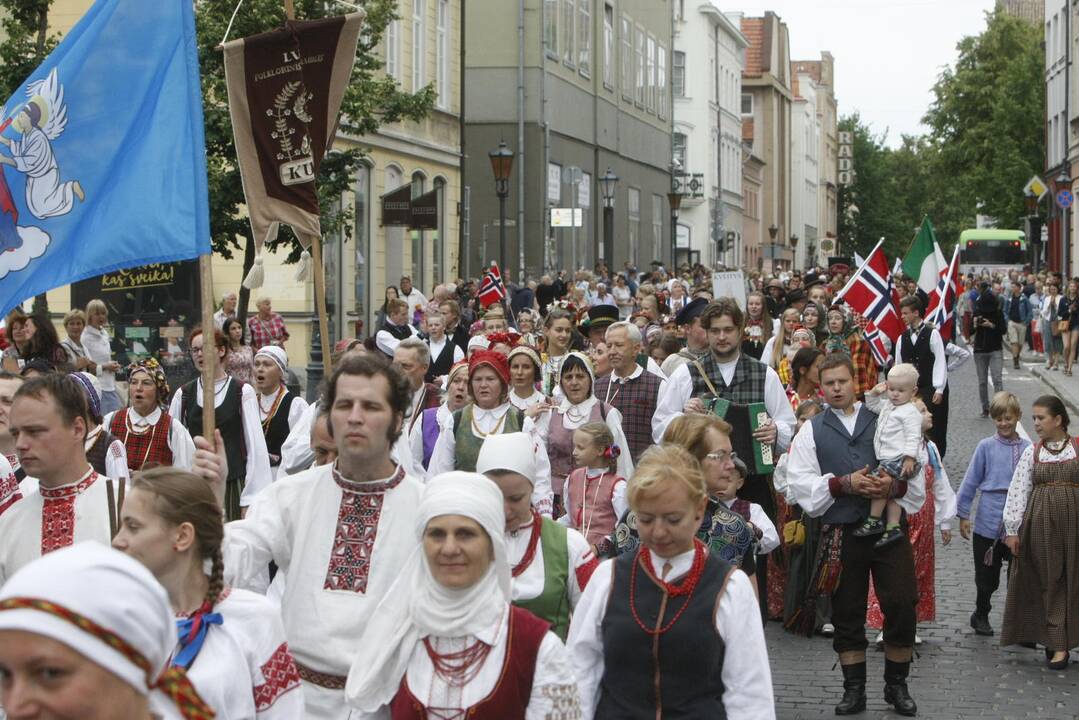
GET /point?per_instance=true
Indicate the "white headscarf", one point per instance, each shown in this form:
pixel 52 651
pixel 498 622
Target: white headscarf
pixel 513 452
pixel 134 609
pixel 276 354
pixel 583 407
pixel 417 606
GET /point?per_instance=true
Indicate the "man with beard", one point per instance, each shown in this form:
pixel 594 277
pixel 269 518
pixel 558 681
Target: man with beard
pixel 724 372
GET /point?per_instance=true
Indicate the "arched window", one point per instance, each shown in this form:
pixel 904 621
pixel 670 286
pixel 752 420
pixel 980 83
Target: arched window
pixel 438 246
pixel 419 278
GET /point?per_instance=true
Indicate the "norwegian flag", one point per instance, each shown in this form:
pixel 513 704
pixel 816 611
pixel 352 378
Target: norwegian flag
pixel 870 293
pixel 491 288
pixel 942 300
pixel 878 345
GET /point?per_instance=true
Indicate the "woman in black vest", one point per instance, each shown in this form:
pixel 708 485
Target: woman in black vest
pixel 279 409
pixel 237 418
pixel 636 636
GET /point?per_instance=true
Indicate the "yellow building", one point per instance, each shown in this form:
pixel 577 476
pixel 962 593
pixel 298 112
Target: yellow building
pixel 421 47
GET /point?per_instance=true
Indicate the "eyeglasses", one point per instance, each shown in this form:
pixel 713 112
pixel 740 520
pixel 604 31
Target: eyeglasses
pixel 722 456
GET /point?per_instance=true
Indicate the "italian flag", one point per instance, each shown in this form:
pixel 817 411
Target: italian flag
pixel 924 261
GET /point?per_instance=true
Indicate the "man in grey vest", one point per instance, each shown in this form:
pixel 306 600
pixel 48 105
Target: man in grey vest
pixel 829 474
pixel 725 372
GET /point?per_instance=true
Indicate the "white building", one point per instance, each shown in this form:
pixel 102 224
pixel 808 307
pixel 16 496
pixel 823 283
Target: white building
pixel 1057 72
pixel 707 87
pixel 805 169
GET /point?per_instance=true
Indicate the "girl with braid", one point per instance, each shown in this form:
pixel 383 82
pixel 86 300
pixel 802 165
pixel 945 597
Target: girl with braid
pixel 231 641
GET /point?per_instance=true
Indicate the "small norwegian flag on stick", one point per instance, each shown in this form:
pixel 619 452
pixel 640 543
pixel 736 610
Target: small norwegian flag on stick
pixel 491 288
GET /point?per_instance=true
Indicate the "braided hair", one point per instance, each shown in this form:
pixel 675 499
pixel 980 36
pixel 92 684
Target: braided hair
pixel 183 497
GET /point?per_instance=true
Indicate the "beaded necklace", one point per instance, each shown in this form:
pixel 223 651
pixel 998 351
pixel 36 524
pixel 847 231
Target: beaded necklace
pixel 533 543
pixel 459 668
pixel 686 587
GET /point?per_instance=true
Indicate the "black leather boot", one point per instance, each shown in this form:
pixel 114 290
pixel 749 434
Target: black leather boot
pixel 853 701
pixel 895 688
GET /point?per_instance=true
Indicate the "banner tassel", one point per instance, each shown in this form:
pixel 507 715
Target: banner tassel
pixel 303 268
pixel 256 276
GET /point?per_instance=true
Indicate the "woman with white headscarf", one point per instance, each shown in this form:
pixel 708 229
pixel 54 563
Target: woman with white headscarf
pixel 280 410
pixel 556 423
pixel 445 642
pixel 113 646
pixel 550 563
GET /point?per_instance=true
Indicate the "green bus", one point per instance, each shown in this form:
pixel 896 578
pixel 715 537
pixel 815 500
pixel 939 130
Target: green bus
pixel 992 250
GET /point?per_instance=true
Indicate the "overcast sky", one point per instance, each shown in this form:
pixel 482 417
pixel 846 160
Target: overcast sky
pixel 888 53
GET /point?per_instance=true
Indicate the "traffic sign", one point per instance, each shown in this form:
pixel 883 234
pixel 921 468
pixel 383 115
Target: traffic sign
pixel 1065 199
pixel 1036 187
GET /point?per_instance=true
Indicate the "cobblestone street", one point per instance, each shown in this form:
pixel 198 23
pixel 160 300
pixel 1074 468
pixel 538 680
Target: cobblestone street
pixel 957 674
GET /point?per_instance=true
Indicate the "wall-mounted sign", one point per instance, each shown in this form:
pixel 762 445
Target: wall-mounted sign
pixel 846 157
pixel 567 217
pixel 397 206
pixel 140 277
pixel 423 212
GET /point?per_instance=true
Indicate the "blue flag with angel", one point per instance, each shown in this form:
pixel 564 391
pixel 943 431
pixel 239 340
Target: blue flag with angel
pixel 102 156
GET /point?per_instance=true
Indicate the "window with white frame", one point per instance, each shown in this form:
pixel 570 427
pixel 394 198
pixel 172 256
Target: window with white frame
pixel 627 57
pixel 393 49
pixel 747 103
pixel 661 81
pixel 679 142
pixel 650 74
pixel 419 44
pixel 568 13
pixel 550 26
pixel 584 36
pixel 608 45
pixel 442 55
pixel 678 74
pixel 642 67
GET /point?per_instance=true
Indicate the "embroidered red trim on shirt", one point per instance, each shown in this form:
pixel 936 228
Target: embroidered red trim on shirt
pixel 281 676
pixel 9 492
pixel 357 526
pixel 58 514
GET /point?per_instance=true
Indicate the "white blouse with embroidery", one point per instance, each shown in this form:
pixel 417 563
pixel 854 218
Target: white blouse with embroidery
pixel 1022 481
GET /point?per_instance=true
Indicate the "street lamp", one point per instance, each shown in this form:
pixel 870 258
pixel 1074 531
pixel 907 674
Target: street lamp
pixel 675 201
pixel 607 182
pixel 502 164
pixel 773 231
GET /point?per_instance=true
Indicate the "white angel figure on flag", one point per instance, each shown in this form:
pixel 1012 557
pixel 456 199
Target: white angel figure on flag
pixel 40 121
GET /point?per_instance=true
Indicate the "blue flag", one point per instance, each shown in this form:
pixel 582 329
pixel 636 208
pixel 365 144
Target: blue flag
pixel 102 156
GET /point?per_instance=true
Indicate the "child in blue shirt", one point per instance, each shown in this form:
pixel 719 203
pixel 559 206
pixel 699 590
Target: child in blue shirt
pixel 990 472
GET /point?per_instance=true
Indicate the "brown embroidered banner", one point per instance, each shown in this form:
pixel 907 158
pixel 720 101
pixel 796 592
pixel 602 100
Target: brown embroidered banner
pixel 285 90
pixel 424 212
pixel 397 206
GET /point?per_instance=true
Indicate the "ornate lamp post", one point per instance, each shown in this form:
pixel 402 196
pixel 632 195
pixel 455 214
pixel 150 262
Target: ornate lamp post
pixel 607 182
pixel 502 165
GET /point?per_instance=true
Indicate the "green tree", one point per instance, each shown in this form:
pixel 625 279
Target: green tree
pixel 25 29
pixel 371 100
pixel 986 135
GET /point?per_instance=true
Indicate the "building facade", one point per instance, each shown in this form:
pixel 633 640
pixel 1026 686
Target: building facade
pixel 1033 11
pixel 767 101
pixel 1059 37
pixel 422 47
pixel 805 167
pixel 707 141
pixel 574 88
pixel 822 74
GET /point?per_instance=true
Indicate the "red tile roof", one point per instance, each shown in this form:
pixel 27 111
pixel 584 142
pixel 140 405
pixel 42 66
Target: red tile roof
pixel 753 29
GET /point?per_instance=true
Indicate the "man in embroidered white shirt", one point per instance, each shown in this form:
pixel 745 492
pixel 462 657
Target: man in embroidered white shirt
pixel 73 503
pixel 338 532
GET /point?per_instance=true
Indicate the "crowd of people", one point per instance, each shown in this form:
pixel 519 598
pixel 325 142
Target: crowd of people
pixel 584 500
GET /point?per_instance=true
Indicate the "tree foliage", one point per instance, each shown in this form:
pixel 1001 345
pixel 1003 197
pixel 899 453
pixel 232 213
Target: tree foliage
pixel 25 25
pixel 984 141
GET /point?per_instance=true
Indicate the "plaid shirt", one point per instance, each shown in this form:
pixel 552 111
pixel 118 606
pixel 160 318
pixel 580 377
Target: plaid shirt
pixel 265 333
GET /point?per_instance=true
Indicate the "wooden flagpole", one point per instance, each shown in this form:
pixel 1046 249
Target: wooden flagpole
pixel 319 271
pixel 209 347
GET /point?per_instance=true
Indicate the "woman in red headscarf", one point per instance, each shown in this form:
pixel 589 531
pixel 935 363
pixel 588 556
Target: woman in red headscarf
pixel 490 413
